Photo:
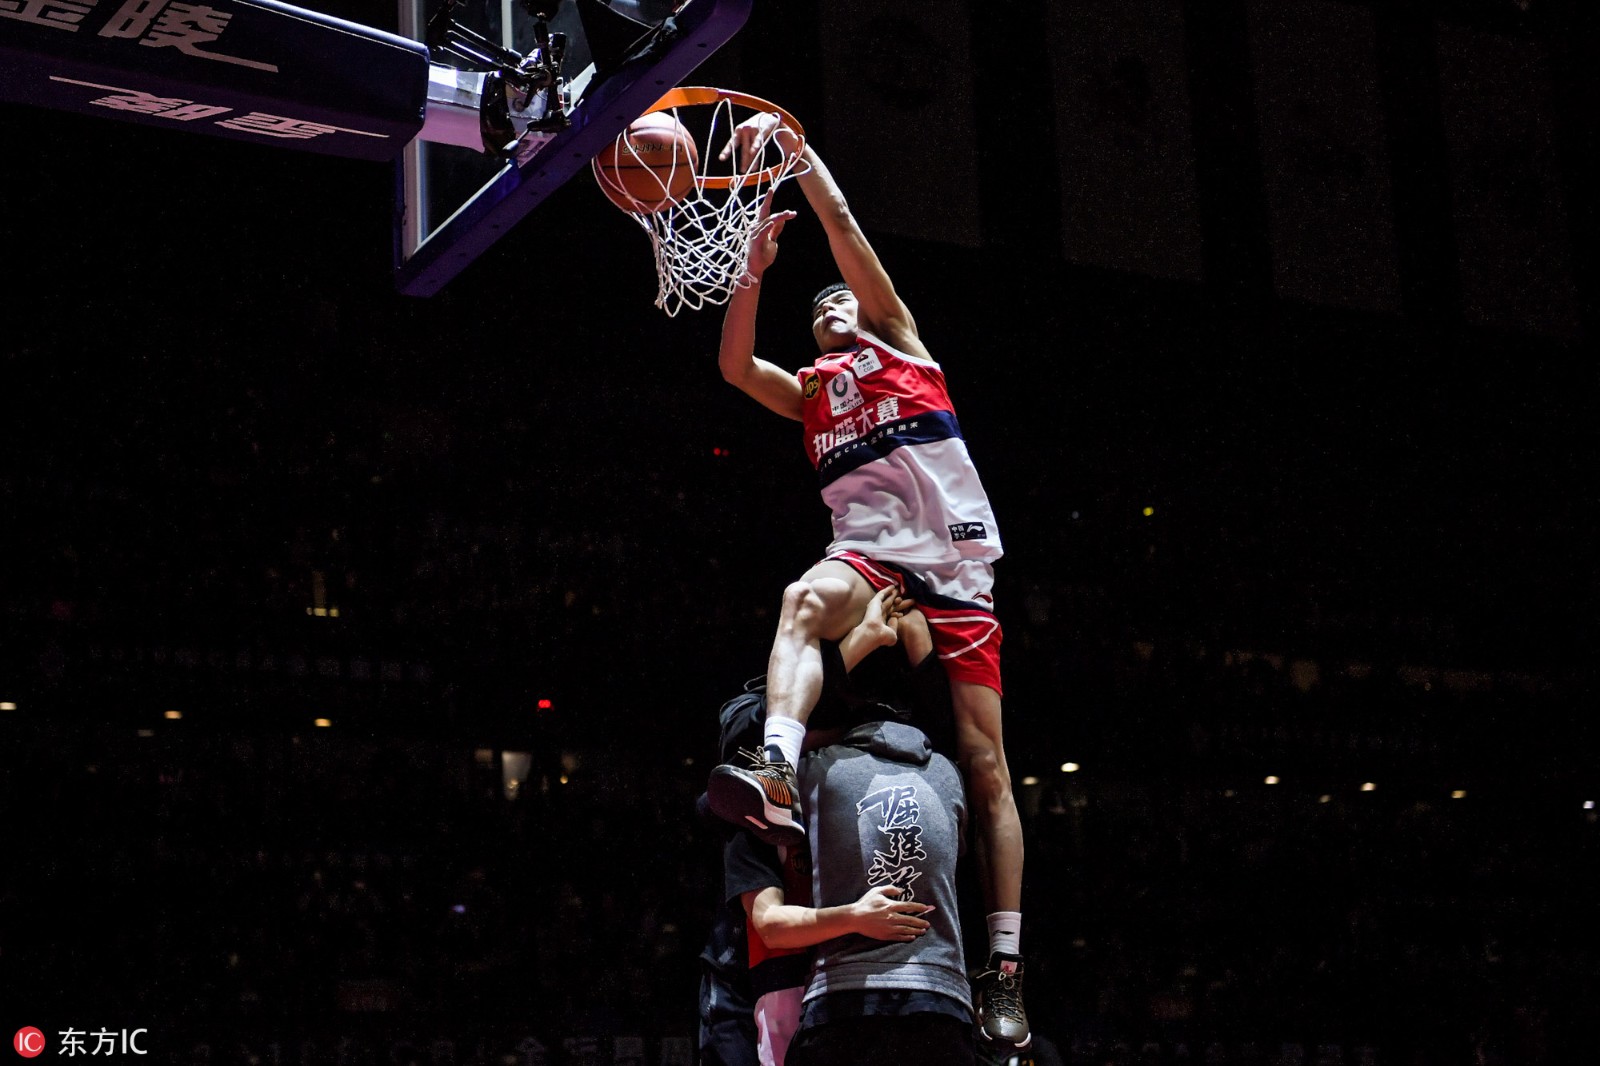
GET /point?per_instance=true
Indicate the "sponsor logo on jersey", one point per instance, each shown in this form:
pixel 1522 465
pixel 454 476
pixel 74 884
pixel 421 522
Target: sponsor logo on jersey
pixel 813 383
pixel 844 395
pixel 968 531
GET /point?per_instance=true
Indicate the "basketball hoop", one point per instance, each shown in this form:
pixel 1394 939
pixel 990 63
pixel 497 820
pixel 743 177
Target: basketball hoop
pixel 701 236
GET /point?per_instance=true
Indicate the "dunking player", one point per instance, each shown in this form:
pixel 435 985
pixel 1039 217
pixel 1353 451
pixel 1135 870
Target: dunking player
pixel 908 510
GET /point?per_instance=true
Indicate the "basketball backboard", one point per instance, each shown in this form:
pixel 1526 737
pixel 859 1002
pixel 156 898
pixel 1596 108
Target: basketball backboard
pixel 454 199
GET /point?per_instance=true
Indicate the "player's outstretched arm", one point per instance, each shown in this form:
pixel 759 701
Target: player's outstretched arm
pixel 767 383
pixel 880 309
pixel 880 915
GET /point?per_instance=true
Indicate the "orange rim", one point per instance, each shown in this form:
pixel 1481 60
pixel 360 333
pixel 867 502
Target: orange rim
pixel 699 96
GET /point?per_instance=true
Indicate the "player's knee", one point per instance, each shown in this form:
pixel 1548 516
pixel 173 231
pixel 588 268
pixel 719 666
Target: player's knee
pixel 803 607
pixel 988 777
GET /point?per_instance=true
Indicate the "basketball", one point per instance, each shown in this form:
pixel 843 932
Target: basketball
pixel 650 167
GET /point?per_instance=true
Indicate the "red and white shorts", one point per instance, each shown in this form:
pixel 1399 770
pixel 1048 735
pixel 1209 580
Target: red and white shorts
pixel 966 634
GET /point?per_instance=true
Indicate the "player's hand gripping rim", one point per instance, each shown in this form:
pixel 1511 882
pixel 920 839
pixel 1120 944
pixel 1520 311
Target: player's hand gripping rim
pixel 749 139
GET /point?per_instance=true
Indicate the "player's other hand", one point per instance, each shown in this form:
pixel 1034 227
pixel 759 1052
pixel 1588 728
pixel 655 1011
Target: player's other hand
pixel 882 915
pixel 764 244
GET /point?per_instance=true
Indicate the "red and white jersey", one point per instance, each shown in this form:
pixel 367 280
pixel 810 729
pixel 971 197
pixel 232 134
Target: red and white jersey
pixel 882 433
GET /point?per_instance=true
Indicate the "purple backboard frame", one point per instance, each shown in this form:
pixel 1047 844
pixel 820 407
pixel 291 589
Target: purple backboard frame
pixel 597 119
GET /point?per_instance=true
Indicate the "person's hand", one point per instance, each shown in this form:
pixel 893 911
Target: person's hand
pixel 751 136
pixel 882 915
pixel 764 243
pixel 880 622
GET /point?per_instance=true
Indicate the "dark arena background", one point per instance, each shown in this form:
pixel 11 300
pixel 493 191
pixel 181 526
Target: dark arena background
pixel 360 654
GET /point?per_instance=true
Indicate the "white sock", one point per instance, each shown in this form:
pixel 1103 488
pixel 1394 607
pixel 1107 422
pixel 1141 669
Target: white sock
pixel 787 735
pixel 1005 932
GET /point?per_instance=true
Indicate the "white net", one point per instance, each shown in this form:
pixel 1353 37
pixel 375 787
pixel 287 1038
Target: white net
pixel 701 237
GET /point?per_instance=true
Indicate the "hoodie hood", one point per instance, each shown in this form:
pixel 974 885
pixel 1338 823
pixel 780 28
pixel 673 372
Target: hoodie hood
pixel 891 740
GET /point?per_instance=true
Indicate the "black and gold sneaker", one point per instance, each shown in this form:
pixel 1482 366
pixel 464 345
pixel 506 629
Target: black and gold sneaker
pixel 998 999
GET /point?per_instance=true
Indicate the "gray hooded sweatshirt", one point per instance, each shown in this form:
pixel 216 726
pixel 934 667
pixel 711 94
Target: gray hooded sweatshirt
pixel 883 809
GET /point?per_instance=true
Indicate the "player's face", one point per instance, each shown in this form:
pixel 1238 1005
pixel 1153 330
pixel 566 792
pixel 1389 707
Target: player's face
pixel 833 322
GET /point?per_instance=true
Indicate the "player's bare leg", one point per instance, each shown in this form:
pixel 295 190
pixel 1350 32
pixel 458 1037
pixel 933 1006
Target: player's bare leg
pixel 994 808
pixel 826 603
pixel 999 854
